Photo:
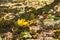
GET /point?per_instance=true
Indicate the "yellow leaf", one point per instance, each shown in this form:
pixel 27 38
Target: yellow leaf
pixel 54 30
pixel 22 22
pixel 25 23
pixel 59 8
pixel 29 10
pixel 12 7
pixel 42 0
pixel 0 38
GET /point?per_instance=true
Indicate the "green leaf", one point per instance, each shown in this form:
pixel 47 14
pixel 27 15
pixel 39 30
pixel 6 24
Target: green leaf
pixel 25 35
